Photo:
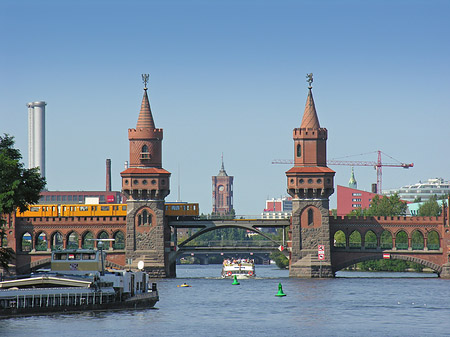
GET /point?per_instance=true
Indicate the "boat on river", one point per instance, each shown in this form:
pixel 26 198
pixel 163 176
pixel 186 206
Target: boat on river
pixel 241 268
pixel 77 282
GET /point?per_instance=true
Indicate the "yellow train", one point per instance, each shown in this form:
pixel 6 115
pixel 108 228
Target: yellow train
pixel 39 211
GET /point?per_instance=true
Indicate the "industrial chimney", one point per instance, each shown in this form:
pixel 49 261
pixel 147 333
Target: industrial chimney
pixel 108 175
pixel 36 135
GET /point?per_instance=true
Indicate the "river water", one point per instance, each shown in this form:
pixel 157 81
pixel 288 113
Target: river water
pixel 353 304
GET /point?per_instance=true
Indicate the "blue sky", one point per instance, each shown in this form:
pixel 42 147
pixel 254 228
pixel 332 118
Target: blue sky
pixel 229 77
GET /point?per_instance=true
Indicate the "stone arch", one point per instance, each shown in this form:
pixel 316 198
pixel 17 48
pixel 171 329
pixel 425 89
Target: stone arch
pixel 56 241
pixel 119 240
pixel 370 240
pixel 386 240
pixel 417 240
pixel 433 240
pixel 401 240
pixel 379 256
pixel 86 240
pixel 41 243
pixel 26 242
pixel 354 239
pixel 72 240
pixel 340 240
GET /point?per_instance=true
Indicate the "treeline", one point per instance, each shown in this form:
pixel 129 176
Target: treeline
pixel 388 265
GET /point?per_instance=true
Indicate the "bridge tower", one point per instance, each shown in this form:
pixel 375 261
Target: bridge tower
pixel 310 183
pixel 145 184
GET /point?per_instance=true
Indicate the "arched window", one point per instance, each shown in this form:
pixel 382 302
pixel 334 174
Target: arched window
pixel 72 241
pixel 57 241
pixel 386 240
pixel 370 240
pixel 401 240
pixel 26 242
pixel 299 150
pixel 310 217
pixel 87 242
pixel 119 240
pixel 339 239
pixel 144 152
pixel 433 241
pixel 104 235
pixel 417 240
pixel 355 240
pixel 41 242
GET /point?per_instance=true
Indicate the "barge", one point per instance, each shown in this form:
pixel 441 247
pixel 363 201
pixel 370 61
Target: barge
pixel 77 282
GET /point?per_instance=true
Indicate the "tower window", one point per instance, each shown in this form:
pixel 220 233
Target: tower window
pixel 144 152
pixel 299 150
pixel 310 217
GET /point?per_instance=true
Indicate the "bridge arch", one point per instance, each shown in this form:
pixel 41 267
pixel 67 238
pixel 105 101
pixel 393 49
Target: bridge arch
pixel 433 240
pixel 72 240
pixel 379 256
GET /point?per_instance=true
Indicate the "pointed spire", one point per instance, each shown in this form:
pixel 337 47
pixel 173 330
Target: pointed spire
pixel 222 171
pixel 145 119
pixel 352 182
pixel 310 119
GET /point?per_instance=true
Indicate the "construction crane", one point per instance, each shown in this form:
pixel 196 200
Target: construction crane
pixel 377 165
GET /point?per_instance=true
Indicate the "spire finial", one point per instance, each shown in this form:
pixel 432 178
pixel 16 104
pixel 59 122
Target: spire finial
pixel 309 80
pixel 145 80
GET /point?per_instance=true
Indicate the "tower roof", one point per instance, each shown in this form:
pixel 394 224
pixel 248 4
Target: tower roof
pixel 145 119
pixel 352 182
pixel 222 172
pixel 310 119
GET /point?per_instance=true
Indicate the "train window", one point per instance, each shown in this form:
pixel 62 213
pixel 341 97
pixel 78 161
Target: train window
pixel 175 208
pixel 85 256
pixel 104 208
pixel 124 208
pixel 34 209
pixel 69 198
pixel 83 208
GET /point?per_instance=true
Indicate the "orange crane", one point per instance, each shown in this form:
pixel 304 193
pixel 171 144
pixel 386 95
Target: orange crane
pixel 377 165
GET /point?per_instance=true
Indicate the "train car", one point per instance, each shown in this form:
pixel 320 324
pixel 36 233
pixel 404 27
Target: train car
pixel 182 209
pixel 39 211
pixel 81 210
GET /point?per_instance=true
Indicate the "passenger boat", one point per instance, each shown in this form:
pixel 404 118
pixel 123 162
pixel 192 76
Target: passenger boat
pixel 77 282
pixel 242 268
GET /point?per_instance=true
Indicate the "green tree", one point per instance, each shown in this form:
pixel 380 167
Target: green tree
pixel 19 186
pixel 430 208
pixel 280 259
pixel 384 206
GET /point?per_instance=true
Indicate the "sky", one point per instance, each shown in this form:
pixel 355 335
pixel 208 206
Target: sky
pixel 229 77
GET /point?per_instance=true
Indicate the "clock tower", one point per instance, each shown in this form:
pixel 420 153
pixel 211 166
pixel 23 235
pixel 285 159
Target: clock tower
pixel 222 193
pixel 310 183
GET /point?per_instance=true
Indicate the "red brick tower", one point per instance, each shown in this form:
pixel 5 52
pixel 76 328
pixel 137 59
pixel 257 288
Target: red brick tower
pixel 310 183
pixel 222 185
pixel 145 184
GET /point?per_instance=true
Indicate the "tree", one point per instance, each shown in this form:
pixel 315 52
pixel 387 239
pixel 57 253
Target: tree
pixel 430 208
pixel 19 186
pixel 384 206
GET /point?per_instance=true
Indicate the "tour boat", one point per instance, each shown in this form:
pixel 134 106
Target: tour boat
pixel 77 282
pixel 242 268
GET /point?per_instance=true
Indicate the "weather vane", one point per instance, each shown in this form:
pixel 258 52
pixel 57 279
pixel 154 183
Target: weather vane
pixel 145 80
pixel 309 79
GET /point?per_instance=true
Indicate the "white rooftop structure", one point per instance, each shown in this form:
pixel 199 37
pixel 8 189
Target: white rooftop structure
pixel 422 190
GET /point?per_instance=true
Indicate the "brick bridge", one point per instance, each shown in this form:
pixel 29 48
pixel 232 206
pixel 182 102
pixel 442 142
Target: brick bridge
pixel 146 233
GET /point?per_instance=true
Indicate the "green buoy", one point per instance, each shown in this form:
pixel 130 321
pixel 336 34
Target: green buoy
pixel 280 291
pixel 235 282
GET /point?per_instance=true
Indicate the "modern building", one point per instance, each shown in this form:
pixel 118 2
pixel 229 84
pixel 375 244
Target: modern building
pixel 80 197
pixel 222 192
pixel 349 199
pixel 422 190
pixel 280 208
pixel 36 135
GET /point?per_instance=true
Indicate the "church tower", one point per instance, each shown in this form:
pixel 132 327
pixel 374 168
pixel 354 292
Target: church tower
pixel 310 183
pixel 222 194
pixel 145 184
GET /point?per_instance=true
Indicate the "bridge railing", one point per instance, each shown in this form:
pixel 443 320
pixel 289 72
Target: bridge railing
pixel 233 243
pixel 246 216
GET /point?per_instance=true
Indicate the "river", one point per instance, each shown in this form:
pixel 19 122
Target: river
pixel 353 304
